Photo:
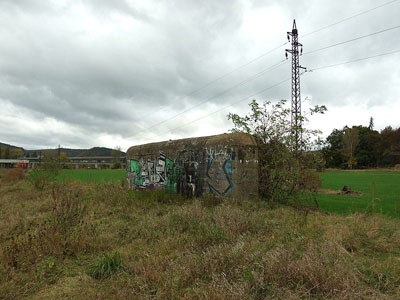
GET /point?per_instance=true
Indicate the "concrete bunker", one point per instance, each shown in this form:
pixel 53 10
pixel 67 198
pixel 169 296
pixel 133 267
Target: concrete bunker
pixel 225 164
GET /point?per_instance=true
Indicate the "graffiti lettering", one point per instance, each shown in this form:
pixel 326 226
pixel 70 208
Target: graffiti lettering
pixel 182 174
pixel 219 171
pixel 179 175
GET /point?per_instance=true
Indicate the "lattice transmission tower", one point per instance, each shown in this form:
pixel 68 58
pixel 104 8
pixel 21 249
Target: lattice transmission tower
pixel 296 119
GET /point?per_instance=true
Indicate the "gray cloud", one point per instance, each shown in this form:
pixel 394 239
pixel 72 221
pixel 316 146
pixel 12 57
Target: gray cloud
pixel 105 71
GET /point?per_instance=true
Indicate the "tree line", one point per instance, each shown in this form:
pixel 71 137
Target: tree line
pixel 10 152
pixel 362 147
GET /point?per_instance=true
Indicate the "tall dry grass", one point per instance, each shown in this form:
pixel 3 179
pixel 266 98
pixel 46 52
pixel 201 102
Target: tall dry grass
pixel 172 248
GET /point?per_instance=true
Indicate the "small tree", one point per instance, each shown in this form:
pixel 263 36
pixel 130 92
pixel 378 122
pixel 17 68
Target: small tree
pixel 371 123
pixel 283 172
pixel 63 159
pixel 45 173
pixel 350 143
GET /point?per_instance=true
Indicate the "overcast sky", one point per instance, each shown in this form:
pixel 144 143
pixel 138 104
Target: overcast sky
pixel 107 73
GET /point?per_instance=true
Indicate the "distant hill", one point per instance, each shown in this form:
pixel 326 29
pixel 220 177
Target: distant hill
pixel 8 151
pixel 10 146
pixel 95 151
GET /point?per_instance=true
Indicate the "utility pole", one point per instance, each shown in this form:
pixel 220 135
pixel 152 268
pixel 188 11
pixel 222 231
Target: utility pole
pixel 296 119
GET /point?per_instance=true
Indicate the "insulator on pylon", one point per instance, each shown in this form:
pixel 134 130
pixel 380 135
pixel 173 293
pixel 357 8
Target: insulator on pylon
pixel 288 38
pixel 301 51
pixel 286 55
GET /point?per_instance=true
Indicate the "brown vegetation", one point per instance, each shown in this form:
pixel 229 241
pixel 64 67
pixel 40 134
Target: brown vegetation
pixel 104 242
pixel 14 174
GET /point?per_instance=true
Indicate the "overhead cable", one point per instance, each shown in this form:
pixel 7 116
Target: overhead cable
pixel 348 18
pixel 354 60
pixel 352 40
pixel 267 53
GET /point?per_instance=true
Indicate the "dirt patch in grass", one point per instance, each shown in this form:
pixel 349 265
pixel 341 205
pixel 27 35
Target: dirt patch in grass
pixel 338 192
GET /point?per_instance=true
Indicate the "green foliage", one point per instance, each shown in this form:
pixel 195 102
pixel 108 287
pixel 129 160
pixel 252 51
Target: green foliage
pixel 116 165
pixel 282 168
pixel 8 152
pixel 350 143
pixel 364 146
pixel 106 266
pixel 332 150
pixel 116 156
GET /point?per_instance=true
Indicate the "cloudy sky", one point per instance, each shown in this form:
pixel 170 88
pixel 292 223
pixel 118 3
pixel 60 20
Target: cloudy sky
pixel 107 73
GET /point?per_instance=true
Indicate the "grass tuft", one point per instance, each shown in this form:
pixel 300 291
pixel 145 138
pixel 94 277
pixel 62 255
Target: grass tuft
pixel 106 266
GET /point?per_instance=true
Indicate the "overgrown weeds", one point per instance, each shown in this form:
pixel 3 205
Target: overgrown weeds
pixel 65 231
pixel 75 240
pixel 67 209
pixel 45 173
pixel 15 174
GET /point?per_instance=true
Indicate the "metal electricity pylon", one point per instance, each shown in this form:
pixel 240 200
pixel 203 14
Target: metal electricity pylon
pixel 296 119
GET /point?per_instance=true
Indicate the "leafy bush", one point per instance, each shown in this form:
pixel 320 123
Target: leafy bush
pixel 116 165
pixel 45 173
pixel 283 162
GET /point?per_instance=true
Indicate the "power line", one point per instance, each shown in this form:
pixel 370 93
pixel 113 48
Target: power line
pixel 236 102
pixel 236 69
pixel 283 81
pixel 353 39
pixel 352 61
pixel 279 83
pixel 349 18
pixel 263 55
pixel 271 68
pixel 282 45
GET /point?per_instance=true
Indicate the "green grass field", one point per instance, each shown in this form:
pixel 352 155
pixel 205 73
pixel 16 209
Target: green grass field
pixel 93 175
pixel 387 188
pixel 387 192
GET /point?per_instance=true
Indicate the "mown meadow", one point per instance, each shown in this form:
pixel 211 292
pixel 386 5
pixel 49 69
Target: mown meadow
pixel 375 191
pixel 92 175
pixel 88 240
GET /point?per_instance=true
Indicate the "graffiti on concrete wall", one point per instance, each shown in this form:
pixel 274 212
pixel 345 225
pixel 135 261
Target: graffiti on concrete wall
pixel 219 171
pixel 179 175
pixel 187 162
pixel 183 174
